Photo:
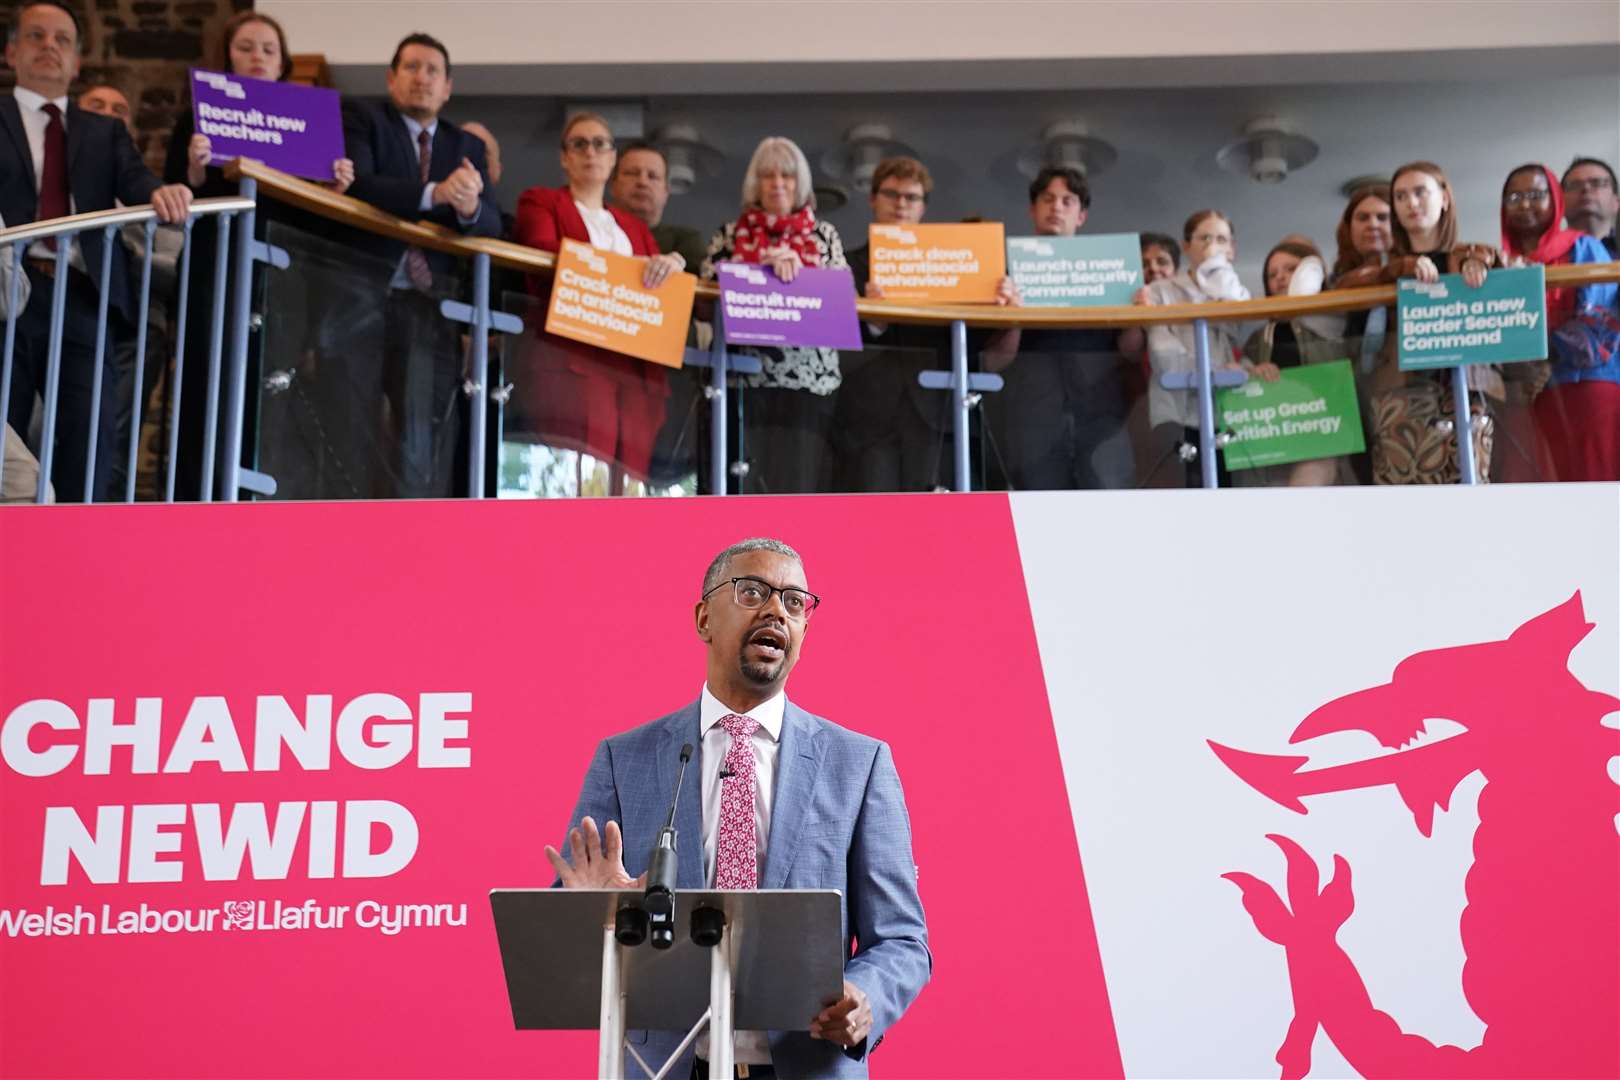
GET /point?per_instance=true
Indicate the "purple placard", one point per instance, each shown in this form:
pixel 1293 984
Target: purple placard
pixel 297 129
pixel 817 308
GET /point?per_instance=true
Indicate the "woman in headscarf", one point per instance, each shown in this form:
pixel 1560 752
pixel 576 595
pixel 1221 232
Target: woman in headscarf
pixel 1577 416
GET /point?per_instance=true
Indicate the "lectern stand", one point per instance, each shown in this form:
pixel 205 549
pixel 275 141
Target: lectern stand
pixel 778 963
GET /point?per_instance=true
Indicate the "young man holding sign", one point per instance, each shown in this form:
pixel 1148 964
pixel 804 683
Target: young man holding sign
pixel 890 433
pixel 1062 414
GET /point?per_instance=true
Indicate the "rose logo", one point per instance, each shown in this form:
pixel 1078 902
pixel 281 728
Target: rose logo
pixel 238 913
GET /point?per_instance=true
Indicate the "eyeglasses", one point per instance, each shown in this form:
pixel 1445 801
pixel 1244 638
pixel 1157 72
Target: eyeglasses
pixel 1520 198
pixel 580 144
pixel 904 198
pixel 752 593
pixel 1589 183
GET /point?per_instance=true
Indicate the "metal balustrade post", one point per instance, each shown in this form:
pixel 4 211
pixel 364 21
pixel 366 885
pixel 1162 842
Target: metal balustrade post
pixel 13 253
pixel 216 344
pixel 1206 404
pixel 967 390
pixel 959 398
pixel 481 320
pixel 53 366
pixel 241 319
pixel 96 378
pixel 139 402
pixel 477 434
pixel 1464 426
pixel 178 380
pixel 717 410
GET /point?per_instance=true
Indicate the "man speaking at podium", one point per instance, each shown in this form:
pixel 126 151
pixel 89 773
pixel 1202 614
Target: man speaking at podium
pixel 788 800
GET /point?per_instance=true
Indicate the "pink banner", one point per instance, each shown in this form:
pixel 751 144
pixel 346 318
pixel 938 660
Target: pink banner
pixel 263 765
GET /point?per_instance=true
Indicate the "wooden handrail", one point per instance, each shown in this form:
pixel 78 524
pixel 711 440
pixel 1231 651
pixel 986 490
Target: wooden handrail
pixel 345 210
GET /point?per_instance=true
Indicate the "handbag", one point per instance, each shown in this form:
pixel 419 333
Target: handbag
pixel 1587 339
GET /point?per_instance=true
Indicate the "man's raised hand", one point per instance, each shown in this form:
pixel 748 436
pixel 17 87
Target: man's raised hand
pixel 460 189
pixel 597 859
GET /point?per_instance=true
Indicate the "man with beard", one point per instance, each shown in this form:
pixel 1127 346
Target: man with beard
pixel 764 762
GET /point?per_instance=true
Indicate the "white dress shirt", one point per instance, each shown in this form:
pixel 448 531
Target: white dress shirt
pixel 752 1047
pixel 32 107
pixel 424 205
pixel 606 233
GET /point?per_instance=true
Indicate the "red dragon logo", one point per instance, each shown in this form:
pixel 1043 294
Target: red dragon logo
pixel 1539 931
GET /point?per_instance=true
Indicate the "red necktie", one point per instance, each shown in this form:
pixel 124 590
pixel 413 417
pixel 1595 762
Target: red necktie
pixel 736 849
pixel 416 264
pixel 53 182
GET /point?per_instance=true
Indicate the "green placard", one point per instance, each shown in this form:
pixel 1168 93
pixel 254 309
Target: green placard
pixel 1075 271
pixel 1446 323
pixel 1309 412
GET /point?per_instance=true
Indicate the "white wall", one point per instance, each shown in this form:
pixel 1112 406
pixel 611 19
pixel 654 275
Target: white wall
pixel 796 31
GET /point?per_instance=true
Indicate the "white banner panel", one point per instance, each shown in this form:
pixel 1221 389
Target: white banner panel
pixel 1167 622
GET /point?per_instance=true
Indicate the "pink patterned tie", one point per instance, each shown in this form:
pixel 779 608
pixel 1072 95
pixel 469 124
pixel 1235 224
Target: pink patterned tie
pixel 736 855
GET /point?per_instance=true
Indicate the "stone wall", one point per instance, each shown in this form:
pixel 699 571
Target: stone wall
pixel 145 48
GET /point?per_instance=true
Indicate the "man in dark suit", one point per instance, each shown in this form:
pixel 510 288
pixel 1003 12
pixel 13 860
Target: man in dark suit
pixel 60 160
pixel 413 164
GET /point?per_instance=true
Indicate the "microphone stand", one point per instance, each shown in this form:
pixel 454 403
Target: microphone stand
pixel 659 901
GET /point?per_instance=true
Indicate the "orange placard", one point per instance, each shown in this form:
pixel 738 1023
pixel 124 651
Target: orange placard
pixel 957 264
pixel 597 298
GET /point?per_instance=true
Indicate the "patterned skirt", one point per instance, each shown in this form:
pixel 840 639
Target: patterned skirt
pixel 1412 443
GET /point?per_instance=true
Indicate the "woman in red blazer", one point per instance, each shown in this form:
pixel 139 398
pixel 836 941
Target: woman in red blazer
pixel 580 396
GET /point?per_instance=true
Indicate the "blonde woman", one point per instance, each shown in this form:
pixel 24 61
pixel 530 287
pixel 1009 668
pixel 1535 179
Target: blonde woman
pixel 789 404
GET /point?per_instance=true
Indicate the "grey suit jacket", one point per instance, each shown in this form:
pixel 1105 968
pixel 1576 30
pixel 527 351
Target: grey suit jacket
pixel 838 821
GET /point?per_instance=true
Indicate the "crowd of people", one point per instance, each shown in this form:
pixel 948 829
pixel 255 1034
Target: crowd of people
pixel 1080 408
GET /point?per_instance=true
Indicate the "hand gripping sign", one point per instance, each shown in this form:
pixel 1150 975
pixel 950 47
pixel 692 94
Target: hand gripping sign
pixel 1445 323
pixel 297 129
pixel 597 298
pixel 815 309
pixel 943 264
pixel 1075 271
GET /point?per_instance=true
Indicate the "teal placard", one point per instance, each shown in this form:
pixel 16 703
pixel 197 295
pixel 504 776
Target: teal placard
pixel 1446 323
pixel 1075 271
pixel 1309 412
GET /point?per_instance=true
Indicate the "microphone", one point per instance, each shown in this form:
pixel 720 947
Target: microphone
pixel 659 902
